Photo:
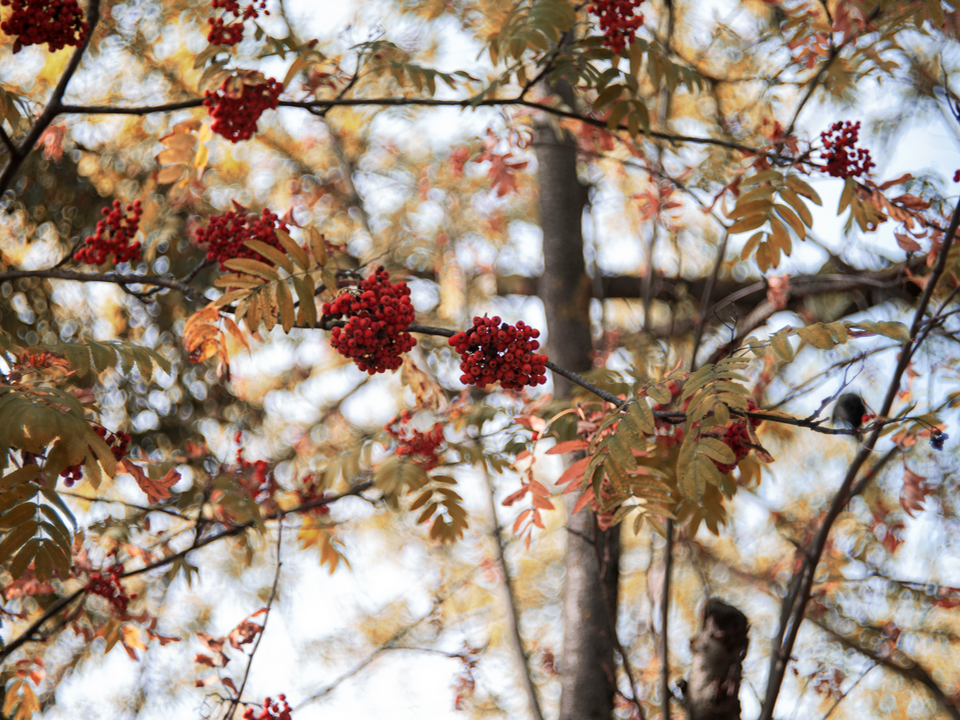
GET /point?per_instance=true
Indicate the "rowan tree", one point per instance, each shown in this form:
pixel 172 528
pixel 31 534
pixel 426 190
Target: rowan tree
pixel 305 332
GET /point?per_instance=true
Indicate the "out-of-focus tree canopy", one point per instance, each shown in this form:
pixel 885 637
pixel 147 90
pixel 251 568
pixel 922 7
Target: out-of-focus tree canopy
pixel 282 303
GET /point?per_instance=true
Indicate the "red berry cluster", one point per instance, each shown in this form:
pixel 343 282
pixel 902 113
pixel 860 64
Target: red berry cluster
pixel 270 710
pixel 57 23
pixel 222 33
pixel 737 439
pixel 843 158
pixel 113 236
pixel 107 584
pixel 493 351
pixel 118 443
pixel 226 234
pixel 956 176
pixel 618 20
pixel 421 447
pixel 236 106
pixel 308 493
pixel 379 313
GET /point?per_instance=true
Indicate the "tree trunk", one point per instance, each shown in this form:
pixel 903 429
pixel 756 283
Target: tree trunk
pixel 588 670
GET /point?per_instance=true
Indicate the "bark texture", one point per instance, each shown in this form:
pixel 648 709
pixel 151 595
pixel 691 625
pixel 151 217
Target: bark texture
pixel 713 689
pixel 588 669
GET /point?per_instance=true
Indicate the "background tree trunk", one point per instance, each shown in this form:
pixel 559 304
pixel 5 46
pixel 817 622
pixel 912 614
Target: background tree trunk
pixel 588 670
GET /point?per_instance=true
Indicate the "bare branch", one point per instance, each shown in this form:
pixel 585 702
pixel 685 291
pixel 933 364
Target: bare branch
pixel 55 106
pixel 794 608
pixel 263 628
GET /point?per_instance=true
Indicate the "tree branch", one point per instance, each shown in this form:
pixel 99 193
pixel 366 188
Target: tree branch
pixel 28 634
pixel 263 628
pixel 793 611
pixel 512 611
pixel 55 106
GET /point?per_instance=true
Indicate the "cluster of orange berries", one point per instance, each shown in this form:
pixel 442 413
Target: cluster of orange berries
pixel 236 107
pixel 618 20
pixel 107 585
pixel 379 313
pixel 118 443
pixel 494 351
pixel 113 236
pixel 223 33
pixel 57 23
pixel 421 447
pixel 270 710
pixel 226 234
pixel 843 158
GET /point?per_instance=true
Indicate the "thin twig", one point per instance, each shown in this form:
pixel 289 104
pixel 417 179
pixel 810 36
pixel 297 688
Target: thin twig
pixel 55 105
pixel 794 607
pixel 189 292
pixel 263 627
pixel 28 634
pixel 512 610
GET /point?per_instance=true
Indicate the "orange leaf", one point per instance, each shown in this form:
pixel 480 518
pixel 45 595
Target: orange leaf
pixel 574 471
pixel 520 519
pixel 562 448
pixel 156 490
pixel 584 500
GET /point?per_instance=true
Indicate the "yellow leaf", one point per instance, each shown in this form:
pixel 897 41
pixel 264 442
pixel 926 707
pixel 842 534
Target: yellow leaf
pixel 271 253
pixel 285 306
pixel 318 246
pixel 801 188
pixel 170 174
pixel 236 333
pixel 180 140
pixel 296 252
pixel 252 267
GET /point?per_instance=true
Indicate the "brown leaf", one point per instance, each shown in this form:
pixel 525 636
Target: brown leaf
pixel 156 490
pixel 906 242
pixel 243 633
pixel 914 491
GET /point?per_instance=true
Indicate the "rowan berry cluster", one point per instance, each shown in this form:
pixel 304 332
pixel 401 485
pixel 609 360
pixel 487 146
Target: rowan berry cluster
pixel 107 584
pixel 421 447
pixel 226 234
pixel 310 492
pixel 379 314
pixel 223 33
pixel 270 710
pixel 842 157
pixel 618 20
pixel 494 351
pixel 737 438
pixel 113 236
pixel 118 443
pixel 236 106
pixel 57 23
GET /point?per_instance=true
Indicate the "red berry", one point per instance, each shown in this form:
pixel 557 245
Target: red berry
pixel 113 236
pixel 618 20
pixel 842 156
pixel 379 313
pixel 236 106
pixel 418 446
pixel 226 234
pixel 56 22
pixel 495 351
